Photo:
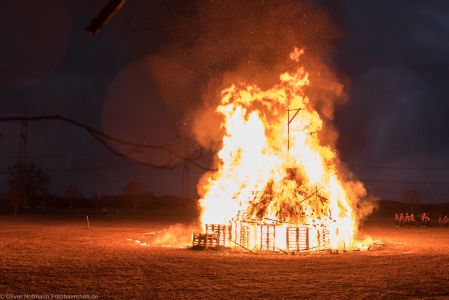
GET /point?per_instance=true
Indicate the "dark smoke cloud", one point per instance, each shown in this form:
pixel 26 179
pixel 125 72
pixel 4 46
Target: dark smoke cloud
pixel 227 42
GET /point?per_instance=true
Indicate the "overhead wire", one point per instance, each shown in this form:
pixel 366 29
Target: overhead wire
pixel 105 139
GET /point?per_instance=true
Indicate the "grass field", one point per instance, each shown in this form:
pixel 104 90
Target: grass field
pixel 45 256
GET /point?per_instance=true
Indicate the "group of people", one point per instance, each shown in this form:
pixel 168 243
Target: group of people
pixel 407 220
pixel 443 221
pixel 423 220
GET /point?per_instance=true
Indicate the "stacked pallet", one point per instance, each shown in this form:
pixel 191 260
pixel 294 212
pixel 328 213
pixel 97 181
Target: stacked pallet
pixel 216 236
pixel 297 239
pixel 203 241
pixel 221 233
pixel 267 237
pixel 263 237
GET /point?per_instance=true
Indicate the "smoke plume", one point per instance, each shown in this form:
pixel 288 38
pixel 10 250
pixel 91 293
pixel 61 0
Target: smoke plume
pixel 240 41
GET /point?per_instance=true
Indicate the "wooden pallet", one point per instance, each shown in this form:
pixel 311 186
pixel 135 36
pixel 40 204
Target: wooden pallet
pixel 323 239
pixel 216 235
pixel 298 239
pixel 261 237
pixel 267 237
pixel 203 241
pixel 221 234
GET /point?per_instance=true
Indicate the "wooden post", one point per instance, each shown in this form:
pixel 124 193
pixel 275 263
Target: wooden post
pixel 288 131
pixel 307 238
pixel 235 233
pixel 207 235
pixel 87 221
pixel 297 238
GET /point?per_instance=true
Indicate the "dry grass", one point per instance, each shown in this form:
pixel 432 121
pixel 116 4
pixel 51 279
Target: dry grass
pixel 62 257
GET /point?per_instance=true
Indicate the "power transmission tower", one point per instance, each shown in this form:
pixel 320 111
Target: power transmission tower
pixel 185 185
pixel 289 120
pixel 23 143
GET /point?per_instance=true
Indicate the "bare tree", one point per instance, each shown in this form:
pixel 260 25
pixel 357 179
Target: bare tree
pixel 135 190
pixel 71 193
pixel 26 184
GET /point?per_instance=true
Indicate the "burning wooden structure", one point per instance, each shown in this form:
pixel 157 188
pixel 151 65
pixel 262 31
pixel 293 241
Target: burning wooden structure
pixel 261 236
pixel 265 234
pixel 306 200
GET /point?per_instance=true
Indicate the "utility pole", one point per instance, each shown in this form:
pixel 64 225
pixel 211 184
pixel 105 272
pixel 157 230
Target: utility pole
pixel 23 143
pixel 289 120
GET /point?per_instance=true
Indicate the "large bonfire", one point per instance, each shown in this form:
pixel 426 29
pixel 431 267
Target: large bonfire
pixel 272 166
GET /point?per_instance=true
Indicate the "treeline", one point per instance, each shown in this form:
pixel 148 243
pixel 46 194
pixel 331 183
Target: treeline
pixel 116 204
pixel 28 190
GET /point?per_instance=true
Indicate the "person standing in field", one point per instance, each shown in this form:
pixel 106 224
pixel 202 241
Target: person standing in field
pixel 425 219
pixel 396 220
pixel 412 220
pixel 407 220
pixel 446 221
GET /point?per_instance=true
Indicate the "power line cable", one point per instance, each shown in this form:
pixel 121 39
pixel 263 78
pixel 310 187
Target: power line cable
pixel 399 168
pixel 105 139
pixel 365 180
pixel 420 193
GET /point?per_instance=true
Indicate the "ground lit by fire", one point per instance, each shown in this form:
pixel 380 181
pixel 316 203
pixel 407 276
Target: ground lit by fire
pixel 42 255
pixel 274 169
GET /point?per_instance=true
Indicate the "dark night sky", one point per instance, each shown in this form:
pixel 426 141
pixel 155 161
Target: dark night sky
pixel 393 57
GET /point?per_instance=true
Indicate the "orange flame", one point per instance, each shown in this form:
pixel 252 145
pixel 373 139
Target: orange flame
pixel 260 177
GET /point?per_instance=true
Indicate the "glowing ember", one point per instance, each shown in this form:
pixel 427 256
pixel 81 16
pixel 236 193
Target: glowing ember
pixel 273 173
pixel 138 242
